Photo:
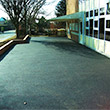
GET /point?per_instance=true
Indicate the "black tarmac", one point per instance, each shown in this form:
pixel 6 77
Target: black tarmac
pixel 52 73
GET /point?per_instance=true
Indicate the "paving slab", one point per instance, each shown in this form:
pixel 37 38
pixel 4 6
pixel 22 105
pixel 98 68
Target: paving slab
pixel 54 73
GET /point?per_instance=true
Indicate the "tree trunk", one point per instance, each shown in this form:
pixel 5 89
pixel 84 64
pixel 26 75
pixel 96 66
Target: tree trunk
pixel 17 31
pixel 25 22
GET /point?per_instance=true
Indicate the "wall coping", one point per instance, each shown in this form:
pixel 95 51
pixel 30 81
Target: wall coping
pixel 11 43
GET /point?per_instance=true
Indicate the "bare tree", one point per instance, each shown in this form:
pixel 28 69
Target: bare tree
pixel 22 11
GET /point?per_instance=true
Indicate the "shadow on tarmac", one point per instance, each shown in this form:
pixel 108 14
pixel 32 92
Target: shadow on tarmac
pixel 71 47
pixel 6 53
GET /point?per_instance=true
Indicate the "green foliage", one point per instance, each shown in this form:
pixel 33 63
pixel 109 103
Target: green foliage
pixel 61 8
pixel 9 25
pixel 61 11
pixel 20 12
pixel 42 24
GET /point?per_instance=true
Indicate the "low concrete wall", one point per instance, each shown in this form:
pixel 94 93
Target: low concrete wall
pixel 11 43
pixel 99 45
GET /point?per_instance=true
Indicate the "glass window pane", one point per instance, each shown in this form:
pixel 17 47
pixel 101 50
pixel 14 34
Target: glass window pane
pixel 101 28
pixel 76 26
pixel 96 12
pixel 96 24
pixel 95 33
pixel 102 10
pixel 91 13
pixel 107 36
pixel 108 8
pixel 87 32
pixel 81 27
pixel 70 26
pixel 87 23
pixel 87 14
pixel 108 24
pixel 91 27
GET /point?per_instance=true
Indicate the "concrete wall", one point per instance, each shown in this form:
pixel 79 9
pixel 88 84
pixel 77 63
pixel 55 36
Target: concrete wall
pixel 71 6
pixel 11 43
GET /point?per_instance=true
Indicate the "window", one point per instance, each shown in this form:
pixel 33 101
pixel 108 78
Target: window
pixel 96 24
pixel 101 28
pixel 76 27
pixel 102 10
pixel 108 8
pixel 95 33
pixel 87 32
pixel 91 13
pixel 91 27
pixel 81 27
pixel 87 14
pixel 108 24
pixel 96 12
pixel 107 36
pixel 70 26
pixel 87 23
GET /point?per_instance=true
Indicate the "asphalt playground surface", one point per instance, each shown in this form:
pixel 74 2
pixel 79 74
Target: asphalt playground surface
pixel 52 73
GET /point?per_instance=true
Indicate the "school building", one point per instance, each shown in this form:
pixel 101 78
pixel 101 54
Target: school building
pixel 88 22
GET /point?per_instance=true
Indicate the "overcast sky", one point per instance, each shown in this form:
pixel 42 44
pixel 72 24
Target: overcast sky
pixel 49 8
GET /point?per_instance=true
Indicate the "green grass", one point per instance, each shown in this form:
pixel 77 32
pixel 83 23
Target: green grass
pixel 11 38
pixel 5 41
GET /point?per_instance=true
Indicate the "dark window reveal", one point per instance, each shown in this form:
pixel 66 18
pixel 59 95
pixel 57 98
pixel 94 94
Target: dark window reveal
pixel 91 13
pixel 96 12
pixel 107 36
pixel 108 8
pixel 81 27
pixel 95 33
pixel 96 24
pixel 102 11
pixel 101 28
pixel 87 32
pixel 87 14
pixel 87 23
pixel 91 27
pixel 108 24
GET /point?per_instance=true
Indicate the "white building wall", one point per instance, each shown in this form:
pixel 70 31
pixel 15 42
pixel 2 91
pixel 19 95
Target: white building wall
pixel 97 21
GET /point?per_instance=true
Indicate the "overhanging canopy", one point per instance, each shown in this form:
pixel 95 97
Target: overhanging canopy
pixel 78 15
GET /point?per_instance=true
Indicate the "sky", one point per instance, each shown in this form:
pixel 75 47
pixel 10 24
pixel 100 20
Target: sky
pixel 2 13
pixel 49 8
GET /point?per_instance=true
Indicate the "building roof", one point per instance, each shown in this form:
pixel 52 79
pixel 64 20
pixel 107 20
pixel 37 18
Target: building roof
pixel 78 15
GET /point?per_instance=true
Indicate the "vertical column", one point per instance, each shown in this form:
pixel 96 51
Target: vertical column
pixel 83 27
pixel 105 28
pixel 93 24
pixel 98 21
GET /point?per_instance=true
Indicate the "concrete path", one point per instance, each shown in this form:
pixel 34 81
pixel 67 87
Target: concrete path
pixel 6 35
pixel 52 74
